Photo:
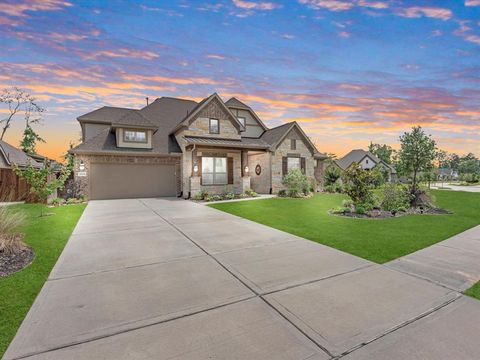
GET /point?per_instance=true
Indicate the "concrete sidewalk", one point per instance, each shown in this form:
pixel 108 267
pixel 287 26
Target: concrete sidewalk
pixel 170 279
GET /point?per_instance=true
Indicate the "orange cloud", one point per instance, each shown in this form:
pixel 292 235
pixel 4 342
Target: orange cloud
pixel 20 7
pixel 333 5
pixel 122 53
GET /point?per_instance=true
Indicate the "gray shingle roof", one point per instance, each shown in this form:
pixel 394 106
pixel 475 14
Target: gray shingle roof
pixel 272 136
pixel 134 118
pixel 240 143
pixel 16 156
pixel 357 155
pixel 106 114
pixel 236 104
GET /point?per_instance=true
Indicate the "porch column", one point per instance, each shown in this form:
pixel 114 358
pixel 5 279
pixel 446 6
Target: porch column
pixel 195 184
pixel 245 174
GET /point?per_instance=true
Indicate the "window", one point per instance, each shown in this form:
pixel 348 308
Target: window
pixel 214 171
pixel 242 120
pixel 135 136
pixel 293 144
pixel 293 163
pixel 214 126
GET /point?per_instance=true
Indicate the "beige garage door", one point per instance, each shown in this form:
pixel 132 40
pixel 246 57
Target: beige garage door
pixel 123 181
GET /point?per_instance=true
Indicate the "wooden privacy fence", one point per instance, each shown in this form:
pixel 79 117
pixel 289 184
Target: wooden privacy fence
pixel 13 188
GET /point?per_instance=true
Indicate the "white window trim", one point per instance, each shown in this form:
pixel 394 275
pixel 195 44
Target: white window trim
pixel 135 139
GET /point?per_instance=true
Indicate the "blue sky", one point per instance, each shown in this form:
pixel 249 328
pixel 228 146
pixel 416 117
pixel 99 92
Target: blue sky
pixel 349 72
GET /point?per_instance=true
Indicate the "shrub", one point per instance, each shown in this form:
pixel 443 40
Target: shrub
pixel 58 201
pixel 359 209
pixel 296 183
pixel 347 203
pixel 198 196
pixel 358 184
pixel 249 192
pixel 334 188
pixel 332 174
pixel 214 198
pixel 229 196
pixel 74 189
pixel 282 193
pixel 72 201
pixel 10 243
pixel 395 197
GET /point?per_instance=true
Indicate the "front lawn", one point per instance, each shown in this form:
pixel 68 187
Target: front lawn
pixel 47 235
pixel 376 240
pixel 474 291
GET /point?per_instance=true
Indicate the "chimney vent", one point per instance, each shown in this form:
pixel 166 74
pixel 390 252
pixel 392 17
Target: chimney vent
pixel 147 100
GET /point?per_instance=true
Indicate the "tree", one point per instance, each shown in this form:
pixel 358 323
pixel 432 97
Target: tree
pixel 416 154
pixel 43 181
pixel 18 101
pixel 382 151
pixel 332 173
pixel 358 184
pixel 469 164
pixel 30 139
pixel 442 159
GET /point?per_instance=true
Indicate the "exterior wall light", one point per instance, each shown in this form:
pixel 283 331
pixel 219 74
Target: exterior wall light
pixel 246 169
pixel 82 166
pixel 195 168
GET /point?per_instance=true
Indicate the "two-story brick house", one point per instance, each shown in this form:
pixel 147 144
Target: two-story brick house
pixel 177 147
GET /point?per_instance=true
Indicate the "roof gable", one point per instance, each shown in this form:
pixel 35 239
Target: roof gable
pixel 234 103
pixel 276 135
pixel 12 155
pixel 212 106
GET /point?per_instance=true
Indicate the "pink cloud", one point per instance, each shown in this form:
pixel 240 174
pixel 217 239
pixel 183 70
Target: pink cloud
pixel 419 11
pixel 373 4
pixel 344 34
pixel 472 2
pixel 250 5
pixel 20 7
pixel 333 5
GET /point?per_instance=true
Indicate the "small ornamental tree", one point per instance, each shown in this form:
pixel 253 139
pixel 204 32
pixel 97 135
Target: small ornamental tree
pixel 358 184
pixel 296 183
pixel 416 155
pixel 332 173
pixel 43 181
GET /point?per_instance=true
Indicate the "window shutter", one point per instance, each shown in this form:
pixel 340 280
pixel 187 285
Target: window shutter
pixel 230 170
pixel 284 166
pixel 302 164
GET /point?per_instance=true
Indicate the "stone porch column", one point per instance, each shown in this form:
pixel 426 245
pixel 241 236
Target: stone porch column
pixel 246 184
pixel 195 185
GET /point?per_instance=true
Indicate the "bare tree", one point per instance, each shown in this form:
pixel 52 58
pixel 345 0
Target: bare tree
pixel 19 101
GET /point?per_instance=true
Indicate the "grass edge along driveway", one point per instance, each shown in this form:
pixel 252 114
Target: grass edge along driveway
pixel 48 236
pixel 474 291
pixel 378 240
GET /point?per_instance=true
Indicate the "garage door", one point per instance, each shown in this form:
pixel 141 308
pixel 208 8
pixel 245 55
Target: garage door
pixel 122 181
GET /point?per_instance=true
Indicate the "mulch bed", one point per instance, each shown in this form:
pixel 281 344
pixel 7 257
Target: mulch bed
pixel 382 214
pixel 11 263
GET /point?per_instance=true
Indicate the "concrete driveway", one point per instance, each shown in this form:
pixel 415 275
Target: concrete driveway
pixel 170 279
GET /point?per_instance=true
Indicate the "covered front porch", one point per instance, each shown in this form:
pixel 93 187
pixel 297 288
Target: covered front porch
pixel 219 166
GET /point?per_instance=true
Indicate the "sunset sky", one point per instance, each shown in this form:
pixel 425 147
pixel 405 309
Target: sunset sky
pixel 349 72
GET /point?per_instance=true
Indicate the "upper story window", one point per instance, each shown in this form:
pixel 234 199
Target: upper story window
pixel 214 126
pixel 137 136
pixel 242 120
pixel 293 144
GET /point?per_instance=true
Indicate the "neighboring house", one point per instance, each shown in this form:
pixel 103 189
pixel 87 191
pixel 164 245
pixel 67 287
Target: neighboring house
pixel 176 147
pixel 447 174
pixel 368 161
pixel 12 187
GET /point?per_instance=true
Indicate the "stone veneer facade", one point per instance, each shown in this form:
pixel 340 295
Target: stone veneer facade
pixel 284 150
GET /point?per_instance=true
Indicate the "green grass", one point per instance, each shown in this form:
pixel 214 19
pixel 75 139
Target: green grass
pixel 47 235
pixel 474 291
pixel 379 240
